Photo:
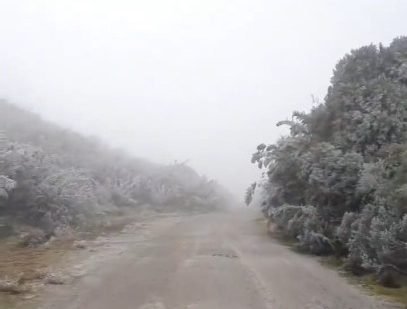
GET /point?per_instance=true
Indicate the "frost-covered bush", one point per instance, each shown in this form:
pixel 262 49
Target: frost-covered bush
pixel 344 230
pixel 54 178
pixel 315 243
pixel 296 220
pixel 348 158
pixel 6 186
pixel 378 237
pixel 304 224
pixel 250 193
pixel 283 215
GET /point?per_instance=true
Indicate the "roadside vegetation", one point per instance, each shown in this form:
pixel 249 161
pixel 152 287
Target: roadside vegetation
pixel 337 183
pixel 54 180
pixel 59 189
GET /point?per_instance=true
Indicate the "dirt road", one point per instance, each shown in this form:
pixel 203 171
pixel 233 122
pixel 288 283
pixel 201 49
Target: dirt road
pixel 208 261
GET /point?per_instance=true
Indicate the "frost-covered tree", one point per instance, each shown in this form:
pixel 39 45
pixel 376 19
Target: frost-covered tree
pixel 347 158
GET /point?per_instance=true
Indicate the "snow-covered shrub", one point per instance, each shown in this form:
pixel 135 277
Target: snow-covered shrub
pixel 296 220
pixel 344 230
pixel 250 193
pixel 6 186
pixel 315 243
pixel 378 237
pixel 358 244
pixel 348 158
pixel 51 177
pixel 304 224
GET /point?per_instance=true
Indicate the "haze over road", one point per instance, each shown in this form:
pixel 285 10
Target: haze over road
pixel 207 261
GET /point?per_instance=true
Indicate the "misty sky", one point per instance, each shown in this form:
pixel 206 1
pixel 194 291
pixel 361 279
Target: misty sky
pixel 204 81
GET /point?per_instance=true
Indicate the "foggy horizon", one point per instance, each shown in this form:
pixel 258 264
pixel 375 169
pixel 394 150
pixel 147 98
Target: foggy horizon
pixel 186 80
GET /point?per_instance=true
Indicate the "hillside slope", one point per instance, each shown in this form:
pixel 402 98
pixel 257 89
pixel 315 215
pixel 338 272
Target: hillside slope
pixel 52 177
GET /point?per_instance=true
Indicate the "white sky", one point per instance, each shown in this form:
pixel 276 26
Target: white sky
pixel 176 80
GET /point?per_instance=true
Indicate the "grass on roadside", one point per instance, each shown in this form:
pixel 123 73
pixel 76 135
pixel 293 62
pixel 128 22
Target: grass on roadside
pixel 369 281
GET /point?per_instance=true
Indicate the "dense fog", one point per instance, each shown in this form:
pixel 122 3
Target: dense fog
pixel 203 81
pixel 197 153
